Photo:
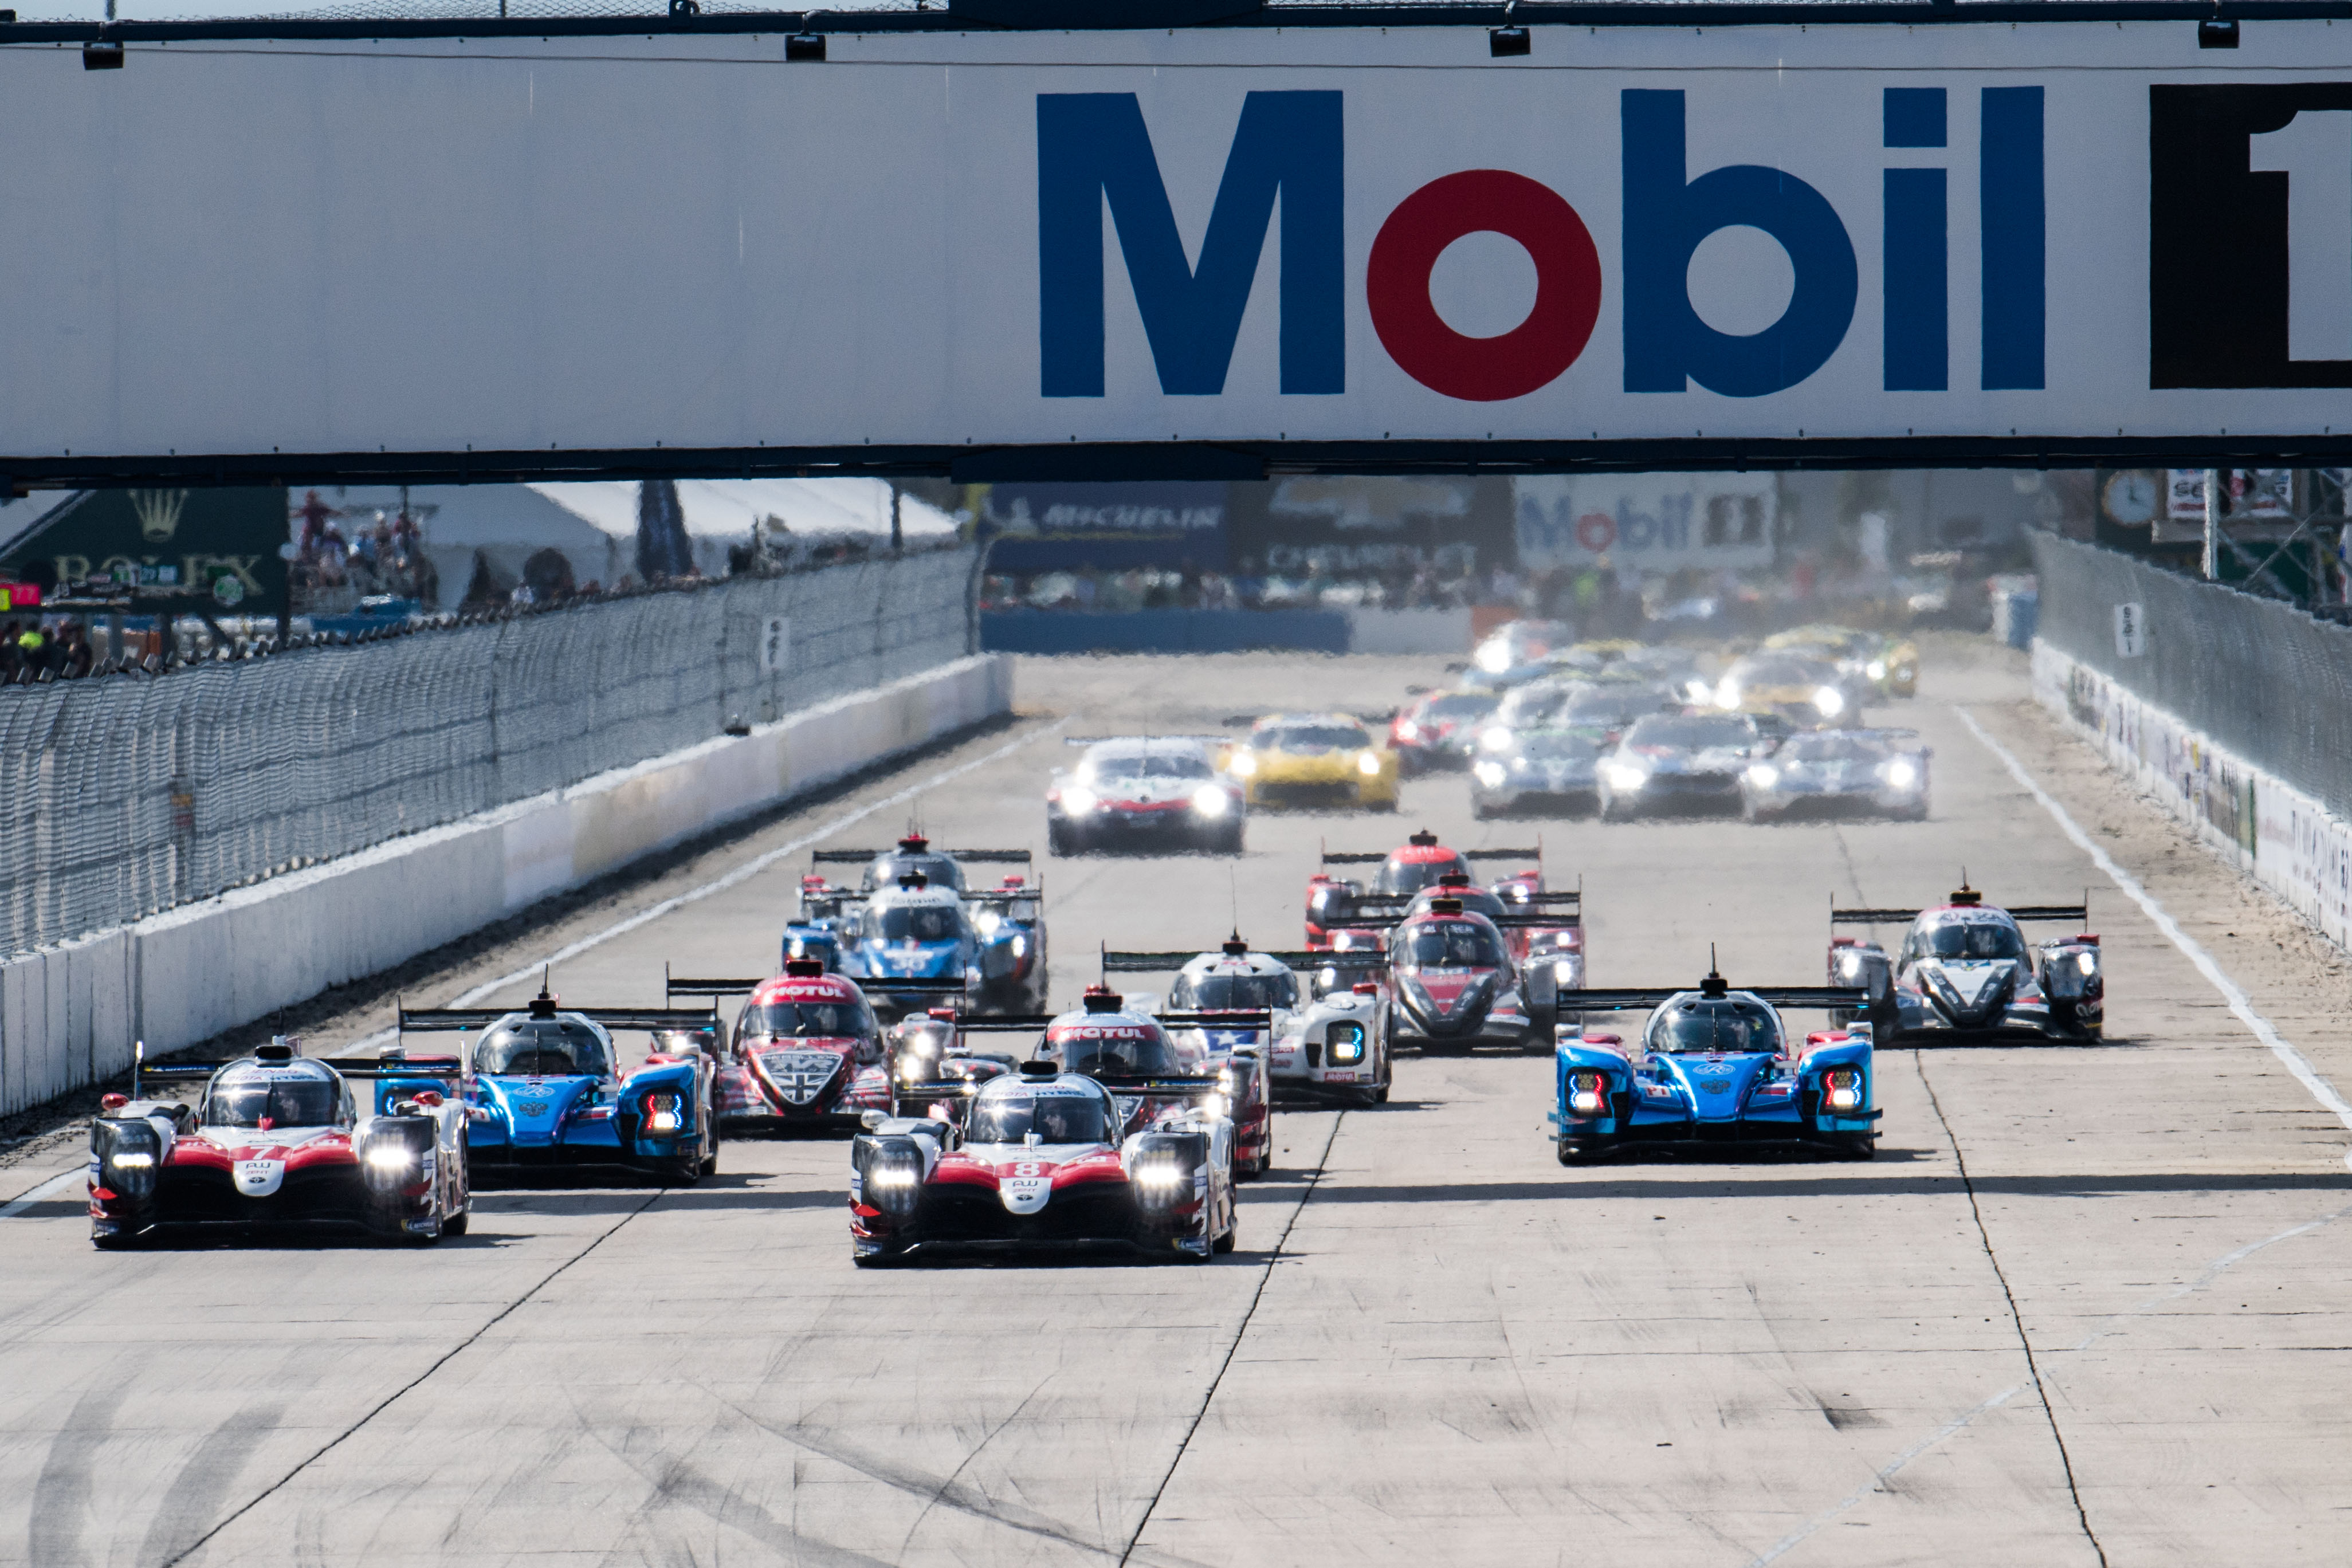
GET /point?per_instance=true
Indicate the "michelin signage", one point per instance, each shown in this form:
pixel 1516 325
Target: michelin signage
pixel 1831 234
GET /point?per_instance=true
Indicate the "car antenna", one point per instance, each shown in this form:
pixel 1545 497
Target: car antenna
pixel 1234 897
pixel 1102 957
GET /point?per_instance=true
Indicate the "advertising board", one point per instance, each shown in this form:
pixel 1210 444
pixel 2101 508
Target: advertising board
pixel 1646 522
pixel 1315 247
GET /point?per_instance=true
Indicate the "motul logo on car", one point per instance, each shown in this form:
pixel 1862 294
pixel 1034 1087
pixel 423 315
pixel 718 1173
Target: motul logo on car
pixel 1102 1032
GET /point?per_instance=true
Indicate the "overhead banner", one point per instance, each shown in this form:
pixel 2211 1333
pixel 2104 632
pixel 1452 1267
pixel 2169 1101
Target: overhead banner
pixel 1324 242
pixel 1647 522
pixel 1055 527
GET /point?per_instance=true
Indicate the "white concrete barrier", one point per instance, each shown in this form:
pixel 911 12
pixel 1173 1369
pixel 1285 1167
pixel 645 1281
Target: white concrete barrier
pixel 69 1015
pixel 1409 631
pixel 2270 830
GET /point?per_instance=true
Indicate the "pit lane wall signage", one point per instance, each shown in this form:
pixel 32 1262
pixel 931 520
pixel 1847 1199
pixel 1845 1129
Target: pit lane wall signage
pixel 1824 233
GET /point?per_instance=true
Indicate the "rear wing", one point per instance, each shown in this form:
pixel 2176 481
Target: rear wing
pixel 683 986
pixel 1161 1085
pixel 961 857
pixel 445 1068
pixel 445 1020
pixel 1223 1017
pixel 1852 998
pixel 2077 913
pixel 1355 857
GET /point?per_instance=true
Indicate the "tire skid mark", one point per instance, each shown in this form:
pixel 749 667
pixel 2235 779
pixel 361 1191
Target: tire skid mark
pixel 61 1497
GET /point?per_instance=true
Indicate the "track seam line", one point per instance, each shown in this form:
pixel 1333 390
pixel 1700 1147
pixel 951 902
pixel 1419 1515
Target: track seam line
pixel 386 1402
pixel 1231 1350
pixel 735 878
pixel 2016 1319
pixel 2241 1004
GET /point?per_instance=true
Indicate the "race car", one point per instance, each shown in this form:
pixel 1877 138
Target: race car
pixel 1455 985
pixel 1715 1066
pixel 1966 972
pixel 1517 643
pixel 1890 665
pixel 806 1052
pixel 1554 771
pixel 1052 1157
pixel 934 1047
pixel 1819 772
pixel 925 927
pixel 1679 761
pixel 1211 1017
pixel 276 1141
pixel 1159 792
pixel 545 1090
pixel 1314 759
pixel 1806 691
pixel 1344 915
pixel 1538 925
pixel 1438 729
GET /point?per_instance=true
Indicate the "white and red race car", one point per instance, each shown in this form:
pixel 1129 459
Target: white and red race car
pixel 1097 1144
pixel 277 1141
pixel 807 1051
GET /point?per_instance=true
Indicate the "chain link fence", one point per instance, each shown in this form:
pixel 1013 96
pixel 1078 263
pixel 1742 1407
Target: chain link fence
pixel 124 795
pixel 2260 676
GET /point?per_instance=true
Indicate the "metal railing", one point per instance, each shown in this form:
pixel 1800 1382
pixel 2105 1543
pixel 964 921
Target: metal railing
pixel 124 795
pixel 2260 676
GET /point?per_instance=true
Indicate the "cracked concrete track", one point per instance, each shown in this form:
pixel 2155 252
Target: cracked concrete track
pixel 2088 1306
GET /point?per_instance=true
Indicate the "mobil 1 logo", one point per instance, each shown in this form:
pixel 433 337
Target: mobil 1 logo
pixel 2250 236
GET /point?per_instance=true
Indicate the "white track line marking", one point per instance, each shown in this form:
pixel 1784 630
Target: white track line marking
pixel 2232 992
pixel 741 875
pixel 56 1183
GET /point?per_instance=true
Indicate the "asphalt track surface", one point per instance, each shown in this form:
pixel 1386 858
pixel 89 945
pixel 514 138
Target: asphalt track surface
pixel 2088 1306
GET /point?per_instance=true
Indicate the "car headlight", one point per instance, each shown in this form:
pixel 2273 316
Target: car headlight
pixel 140 1160
pixel 1369 764
pixel 1901 774
pixel 1490 774
pixel 1877 669
pixel 1845 1087
pixel 2088 962
pixel 1698 691
pixel 1494 659
pixel 1563 972
pixel 1495 739
pixel 986 922
pixel 1243 765
pixel 1625 776
pixel 1728 695
pixel 1830 701
pixel 1344 1044
pixel 1850 966
pixel 1763 776
pixel 1078 799
pixel 1021 946
pixel 388 1157
pixel 664 1113
pixel 1407 730
pixel 894 1175
pixel 1210 801
pixel 1588 1094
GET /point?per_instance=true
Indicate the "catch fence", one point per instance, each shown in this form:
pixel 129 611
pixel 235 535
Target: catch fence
pixel 2259 676
pixel 125 795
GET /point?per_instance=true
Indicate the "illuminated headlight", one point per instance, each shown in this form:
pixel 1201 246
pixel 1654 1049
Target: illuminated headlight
pixel 664 1113
pixel 1369 764
pixel 2087 961
pixel 1495 739
pixel 1763 776
pixel 1243 765
pixel 1160 1174
pixel 140 1160
pixel 1849 965
pixel 1728 695
pixel 893 1175
pixel 1210 801
pixel 1626 775
pixel 1698 691
pixel 1902 775
pixel 1078 799
pixel 1212 1106
pixel 1328 978
pixel 387 1156
pixel 1563 971
pixel 1588 1095
pixel 1021 946
pixel 1490 774
pixel 1345 1044
pixel 1877 669
pixel 1494 659
pixel 1842 1088
pixel 1408 730
pixel 1830 701
pixel 986 922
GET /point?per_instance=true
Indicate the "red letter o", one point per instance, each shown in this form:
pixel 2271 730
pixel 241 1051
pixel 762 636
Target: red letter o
pixel 1532 354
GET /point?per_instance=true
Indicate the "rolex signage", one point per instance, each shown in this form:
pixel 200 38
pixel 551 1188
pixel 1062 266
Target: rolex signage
pixel 213 551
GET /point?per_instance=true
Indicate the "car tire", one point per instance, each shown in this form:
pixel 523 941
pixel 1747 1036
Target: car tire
pixel 1225 1244
pixel 1381 1095
pixel 1058 842
pixel 458 1223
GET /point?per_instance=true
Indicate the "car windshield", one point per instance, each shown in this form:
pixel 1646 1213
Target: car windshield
pixel 1828 748
pixel 1475 900
pixel 921 921
pixel 1314 737
pixel 937 870
pixel 1693 733
pixel 1451 945
pixel 1782 673
pixel 1055 1118
pixel 1973 939
pixel 1459 704
pixel 1727 1025
pixel 829 1021
pixel 1557 747
pixel 1211 991
pixel 1180 766
pixel 1612 705
pixel 541 1047
pixel 258 1101
pixel 1150 1056
pixel 1399 875
pixel 1532 705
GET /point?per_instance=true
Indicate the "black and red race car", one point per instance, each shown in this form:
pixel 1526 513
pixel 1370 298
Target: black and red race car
pixel 807 1051
pixel 1454 982
pixel 278 1141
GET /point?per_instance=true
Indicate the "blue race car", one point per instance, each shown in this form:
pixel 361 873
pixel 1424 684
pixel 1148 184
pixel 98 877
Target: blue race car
pixel 914 918
pixel 545 1089
pixel 1715 1067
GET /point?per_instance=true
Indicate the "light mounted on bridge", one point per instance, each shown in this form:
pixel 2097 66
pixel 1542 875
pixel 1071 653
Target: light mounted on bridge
pixel 805 47
pixel 1508 43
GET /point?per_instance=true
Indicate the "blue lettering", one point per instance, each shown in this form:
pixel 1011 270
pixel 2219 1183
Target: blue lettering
pixel 1666 217
pixel 1091 146
pixel 2010 209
